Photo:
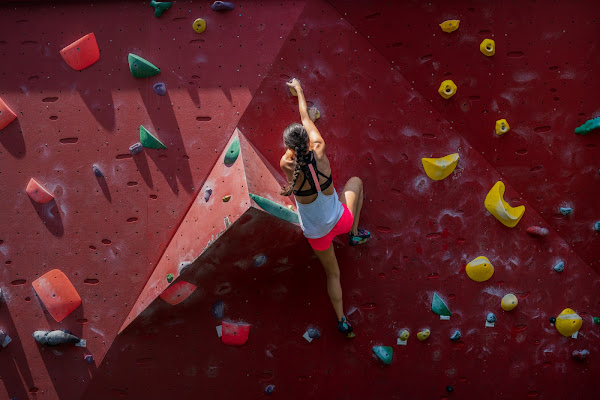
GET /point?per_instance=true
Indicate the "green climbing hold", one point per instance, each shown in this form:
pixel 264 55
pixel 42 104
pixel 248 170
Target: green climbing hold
pixel 233 152
pixel 276 209
pixel 384 353
pixel 597 320
pixel 589 126
pixel 141 68
pixel 170 278
pixel 150 141
pixel 439 307
pixel 160 6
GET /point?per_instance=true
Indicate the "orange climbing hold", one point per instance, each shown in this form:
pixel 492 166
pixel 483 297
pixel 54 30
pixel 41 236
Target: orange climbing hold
pixel 178 292
pixel 57 293
pixel 6 115
pixel 38 193
pixel 81 53
pixel 234 334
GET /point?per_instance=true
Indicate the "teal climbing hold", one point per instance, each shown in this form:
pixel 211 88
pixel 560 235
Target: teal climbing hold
pixel 276 209
pixel 233 152
pixel 141 68
pixel 160 6
pixel 439 307
pixel 384 353
pixel 150 141
pixel 589 126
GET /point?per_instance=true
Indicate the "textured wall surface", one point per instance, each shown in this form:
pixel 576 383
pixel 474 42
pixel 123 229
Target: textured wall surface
pixel 373 70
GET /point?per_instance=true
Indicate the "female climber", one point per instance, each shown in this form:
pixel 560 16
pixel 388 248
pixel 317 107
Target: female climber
pixel 322 214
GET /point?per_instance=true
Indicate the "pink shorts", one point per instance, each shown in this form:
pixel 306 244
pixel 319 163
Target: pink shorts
pixel 344 225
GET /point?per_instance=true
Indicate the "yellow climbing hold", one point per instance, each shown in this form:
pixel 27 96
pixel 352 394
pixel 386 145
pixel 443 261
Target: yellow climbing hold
pixel 495 204
pixel 291 207
pixel 447 89
pixel 450 26
pixel 480 269
pixel 199 25
pixel 509 302
pixel 226 198
pixel 568 322
pixel 423 335
pixel 502 127
pixel 404 335
pixel 439 168
pixel 488 47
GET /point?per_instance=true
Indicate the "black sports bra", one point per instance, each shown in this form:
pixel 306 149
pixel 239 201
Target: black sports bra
pixel 310 159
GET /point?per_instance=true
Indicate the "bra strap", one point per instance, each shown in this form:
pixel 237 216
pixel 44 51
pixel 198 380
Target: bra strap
pixel 315 177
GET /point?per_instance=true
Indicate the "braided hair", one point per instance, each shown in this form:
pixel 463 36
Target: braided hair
pixel 295 138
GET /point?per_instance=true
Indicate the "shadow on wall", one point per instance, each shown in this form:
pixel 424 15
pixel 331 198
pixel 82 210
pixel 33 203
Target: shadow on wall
pixel 12 139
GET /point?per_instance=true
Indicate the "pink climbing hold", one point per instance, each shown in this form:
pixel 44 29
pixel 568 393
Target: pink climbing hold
pixel 82 53
pixel 537 231
pixel 6 115
pixel 57 293
pixel 178 292
pixel 234 334
pixel 38 193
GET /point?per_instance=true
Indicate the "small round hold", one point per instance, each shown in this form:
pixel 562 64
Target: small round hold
pixel 565 210
pixel 199 25
pixel 291 207
pixel 97 171
pixel 135 148
pixel 560 267
pixel 207 194
pixel 449 389
pixel 455 336
pixel 260 260
pixel 491 318
pixel 270 389
pixel 313 333
pixel 597 226
pixel 160 89
pixel 552 320
pixel 88 358
pixel 218 309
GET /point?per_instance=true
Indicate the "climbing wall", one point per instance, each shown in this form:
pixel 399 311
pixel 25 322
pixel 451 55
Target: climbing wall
pixel 373 72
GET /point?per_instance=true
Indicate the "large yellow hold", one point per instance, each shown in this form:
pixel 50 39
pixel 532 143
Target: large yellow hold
pixel 480 269
pixel 423 335
pixel 450 26
pixel 495 204
pixel 568 322
pixel 509 302
pixel 488 47
pixel 439 168
pixel 447 89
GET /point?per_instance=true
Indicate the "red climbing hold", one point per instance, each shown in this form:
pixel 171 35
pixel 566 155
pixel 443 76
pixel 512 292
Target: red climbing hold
pixel 178 292
pixel 6 115
pixel 57 293
pixel 81 53
pixel 37 192
pixel 537 231
pixel 234 334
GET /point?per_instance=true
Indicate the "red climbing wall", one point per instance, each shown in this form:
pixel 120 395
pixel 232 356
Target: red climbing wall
pixel 373 72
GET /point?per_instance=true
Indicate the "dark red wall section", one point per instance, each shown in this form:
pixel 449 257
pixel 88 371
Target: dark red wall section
pixel 373 70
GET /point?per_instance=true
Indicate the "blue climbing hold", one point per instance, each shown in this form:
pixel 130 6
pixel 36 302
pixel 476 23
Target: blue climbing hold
pixel 455 336
pixel 222 6
pixel 588 126
pixel 218 310
pixel 491 318
pixel 97 171
pixel 270 389
pixel 136 148
pixel 313 333
pixel 260 260
pixel 89 358
pixel 207 194
pixel 160 88
pixel 560 267
pixel 565 210
pixel 597 226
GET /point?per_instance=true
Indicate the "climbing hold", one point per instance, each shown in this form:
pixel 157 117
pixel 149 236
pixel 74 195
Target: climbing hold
pixel 568 322
pixel 580 355
pixel 218 309
pixel 509 302
pixel 292 90
pixel 488 47
pixel 260 260
pixel 82 53
pixel 597 226
pixel 183 266
pixel 495 204
pixel 135 148
pixel 226 198
pixel 275 209
pixel 480 269
pixel 232 152
pixel 559 267
pixel 565 210
pixel 234 334
pixel 38 193
pixel 160 6
pixel 455 336
pixel 6 115
pixel 4 338
pixel 552 320
pixel 439 307
pixel 314 114
pixel 97 171
pixel 491 318
pixel 423 335
pixel 291 207
pixel 178 292
pixel 449 389
pixel 502 127
pixel 150 141
pixel 160 89
pixel 270 389
pixel 384 353
pixel 447 89
pixel 222 6
pixel 207 194
pixel 55 338
pixel 141 68
pixel 88 358
pixel 439 168
pixel 597 320
pixel 170 278
pixel 199 25
pixel 57 293
pixel 313 333
pixel 537 231
pixel 404 334
pixel 450 26
pixel 584 129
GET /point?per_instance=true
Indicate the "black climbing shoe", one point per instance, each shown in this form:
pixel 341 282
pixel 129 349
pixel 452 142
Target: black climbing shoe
pixel 345 328
pixel 362 237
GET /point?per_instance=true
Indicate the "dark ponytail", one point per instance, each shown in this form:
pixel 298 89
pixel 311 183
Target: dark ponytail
pixel 295 137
